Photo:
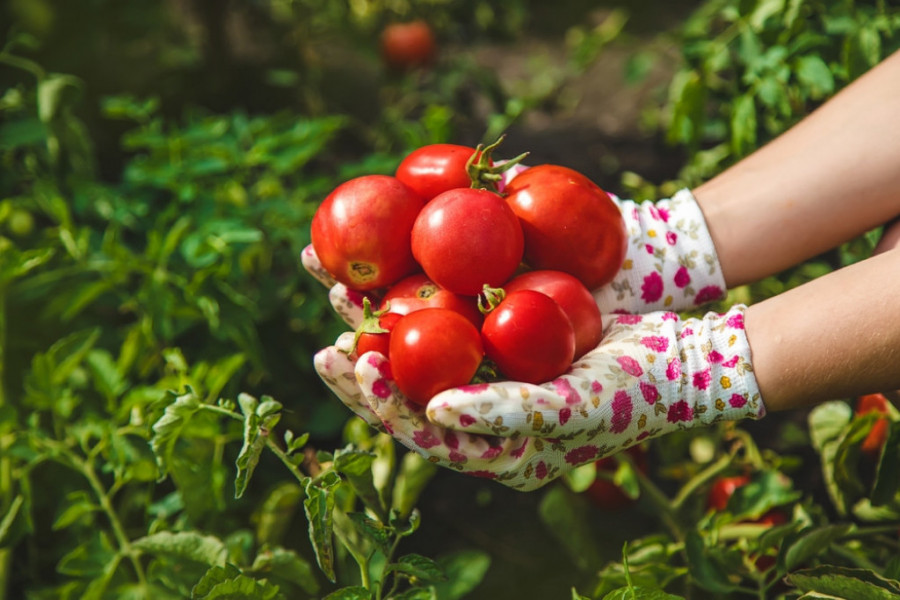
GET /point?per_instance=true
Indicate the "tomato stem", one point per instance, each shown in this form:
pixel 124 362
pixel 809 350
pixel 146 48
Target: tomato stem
pixel 490 298
pixel 370 323
pixel 482 173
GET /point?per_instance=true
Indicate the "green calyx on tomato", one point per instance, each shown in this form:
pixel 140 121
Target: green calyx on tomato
pixel 371 324
pixel 483 173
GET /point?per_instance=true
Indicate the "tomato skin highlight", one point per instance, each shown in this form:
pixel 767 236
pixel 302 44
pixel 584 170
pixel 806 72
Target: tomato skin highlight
pixel 417 291
pixel 432 350
pixel 466 238
pixel 573 297
pixel 436 168
pixel 409 45
pixel 570 224
pixel 529 337
pixel 361 231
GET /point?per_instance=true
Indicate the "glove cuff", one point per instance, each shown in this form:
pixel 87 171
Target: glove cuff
pixel 670 263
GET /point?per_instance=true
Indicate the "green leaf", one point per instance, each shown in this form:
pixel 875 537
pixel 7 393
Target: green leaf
pixel 6 523
pixel 705 569
pixel 350 593
pixel 414 475
pixel 54 92
pixel 228 583
pixel 206 549
pixel 90 558
pixel 356 467
pixel 372 529
pixel 827 421
pixel 842 582
pixel 319 509
pixel 416 593
pixel 259 419
pixel 464 571
pixel 639 593
pixel 286 565
pixel 563 514
pixel 421 567
pixel 887 477
pixel 765 9
pixel 812 71
pixel 78 506
pixel 277 512
pixel 581 478
pixel 797 549
pixel 743 124
pixel 169 426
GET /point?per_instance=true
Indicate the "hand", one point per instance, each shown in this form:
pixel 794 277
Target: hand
pixel 651 374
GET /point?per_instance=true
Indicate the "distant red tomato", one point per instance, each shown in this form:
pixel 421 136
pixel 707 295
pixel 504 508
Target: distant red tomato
pixel 436 168
pixel 724 487
pixel 529 337
pixel 408 45
pixel 466 238
pixel 605 494
pixel 570 224
pixel 418 291
pixel 573 297
pixel 361 231
pixel 432 350
pixel 877 436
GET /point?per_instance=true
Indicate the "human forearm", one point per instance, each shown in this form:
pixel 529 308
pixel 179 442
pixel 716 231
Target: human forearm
pixel 835 337
pixel 830 178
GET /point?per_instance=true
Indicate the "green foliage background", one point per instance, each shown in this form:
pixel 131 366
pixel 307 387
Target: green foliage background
pixel 159 166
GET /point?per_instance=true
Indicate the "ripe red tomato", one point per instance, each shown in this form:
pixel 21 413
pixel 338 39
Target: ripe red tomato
pixel 378 342
pixel 877 436
pixel 605 494
pixel 432 350
pixel 406 46
pixel 570 224
pixel 723 488
pixel 361 231
pixel 573 297
pixel 529 337
pixel 417 292
pixel 436 168
pixel 466 238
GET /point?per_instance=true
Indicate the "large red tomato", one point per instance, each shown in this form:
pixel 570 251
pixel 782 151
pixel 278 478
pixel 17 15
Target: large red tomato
pixel 466 238
pixel 570 224
pixel 436 168
pixel 417 292
pixel 529 337
pixel 573 297
pixel 432 350
pixel 408 45
pixel 361 231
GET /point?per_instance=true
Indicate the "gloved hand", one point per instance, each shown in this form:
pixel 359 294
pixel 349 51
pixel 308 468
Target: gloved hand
pixel 651 374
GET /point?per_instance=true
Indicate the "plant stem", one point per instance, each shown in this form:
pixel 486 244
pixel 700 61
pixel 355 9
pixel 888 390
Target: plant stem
pixel 701 479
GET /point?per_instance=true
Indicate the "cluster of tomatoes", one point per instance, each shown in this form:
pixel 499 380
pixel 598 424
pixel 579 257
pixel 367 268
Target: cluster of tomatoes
pixel 460 273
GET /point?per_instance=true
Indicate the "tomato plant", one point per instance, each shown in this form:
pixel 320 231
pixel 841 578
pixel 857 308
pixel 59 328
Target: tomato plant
pixel 573 297
pixel 436 168
pixel 603 492
pixel 466 238
pixel 361 231
pixel 408 45
pixel 432 350
pixel 723 488
pixel 418 291
pixel 529 337
pixel 570 224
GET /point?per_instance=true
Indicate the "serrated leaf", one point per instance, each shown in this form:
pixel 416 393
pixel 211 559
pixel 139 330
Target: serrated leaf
pixel 708 572
pixel 288 565
pixel 169 426
pixel 259 420
pixel 852 584
pixel 350 593
pixel 356 466
pixel 639 593
pixel 277 511
pixel 418 566
pixel 413 477
pixel 228 583
pixel 372 529
pixel 319 509
pixel 206 549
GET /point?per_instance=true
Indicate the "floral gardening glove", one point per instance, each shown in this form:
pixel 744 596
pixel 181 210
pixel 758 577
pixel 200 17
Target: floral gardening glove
pixel 651 374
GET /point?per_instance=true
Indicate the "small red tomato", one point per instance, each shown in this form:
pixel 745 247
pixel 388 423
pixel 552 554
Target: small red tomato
pixel 378 341
pixel 723 488
pixel 529 337
pixel 573 297
pixel 361 231
pixel 417 292
pixel 605 494
pixel 877 436
pixel 406 46
pixel 436 168
pixel 570 224
pixel 432 350
pixel 466 238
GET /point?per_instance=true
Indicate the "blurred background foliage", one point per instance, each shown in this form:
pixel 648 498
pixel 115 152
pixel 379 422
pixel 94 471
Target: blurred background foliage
pixel 159 166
